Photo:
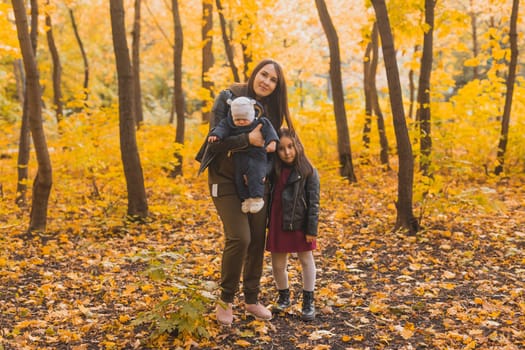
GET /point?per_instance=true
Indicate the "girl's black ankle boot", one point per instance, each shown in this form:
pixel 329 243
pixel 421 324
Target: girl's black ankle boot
pixel 283 302
pixel 308 306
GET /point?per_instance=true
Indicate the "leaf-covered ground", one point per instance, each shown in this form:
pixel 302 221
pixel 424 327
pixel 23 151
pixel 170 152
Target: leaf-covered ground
pixel 459 284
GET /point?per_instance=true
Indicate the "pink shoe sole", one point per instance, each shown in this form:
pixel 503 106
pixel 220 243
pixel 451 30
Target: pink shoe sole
pixel 259 312
pixel 224 316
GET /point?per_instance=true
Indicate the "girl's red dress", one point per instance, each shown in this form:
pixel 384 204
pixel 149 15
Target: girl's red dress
pixel 278 240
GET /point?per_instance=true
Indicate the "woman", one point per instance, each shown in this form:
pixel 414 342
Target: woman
pixel 244 233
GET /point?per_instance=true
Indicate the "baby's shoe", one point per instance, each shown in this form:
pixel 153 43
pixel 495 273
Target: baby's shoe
pixel 245 205
pixel 256 205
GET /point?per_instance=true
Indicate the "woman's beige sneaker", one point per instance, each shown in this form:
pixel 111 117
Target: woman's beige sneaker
pixel 259 311
pixel 224 315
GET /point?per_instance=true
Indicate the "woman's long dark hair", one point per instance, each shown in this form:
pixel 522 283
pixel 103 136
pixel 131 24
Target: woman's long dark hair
pixel 275 104
pixel 302 164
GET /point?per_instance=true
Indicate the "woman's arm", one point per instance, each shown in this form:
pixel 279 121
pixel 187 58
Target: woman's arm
pixel 220 111
pixel 220 107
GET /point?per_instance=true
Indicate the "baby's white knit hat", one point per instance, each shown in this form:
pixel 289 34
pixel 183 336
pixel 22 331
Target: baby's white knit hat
pixel 242 108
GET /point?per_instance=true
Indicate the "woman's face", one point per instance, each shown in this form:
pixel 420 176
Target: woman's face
pixel 265 81
pixel 286 150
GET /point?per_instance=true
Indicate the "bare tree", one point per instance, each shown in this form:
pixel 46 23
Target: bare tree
pixel 371 99
pixel 246 24
pixel 383 141
pixel 423 94
pixel 511 78
pixel 135 57
pixel 178 97
pixel 412 88
pixel 18 70
pixel 405 219
pixel 83 52
pixel 43 180
pixel 343 137
pixel 367 127
pixel 474 26
pixel 24 145
pixel 227 41
pixel 57 70
pixel 137 202
pixel 207 56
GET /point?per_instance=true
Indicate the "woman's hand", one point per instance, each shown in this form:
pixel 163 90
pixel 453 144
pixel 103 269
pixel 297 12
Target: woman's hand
pixel 255 137
pixel 272 146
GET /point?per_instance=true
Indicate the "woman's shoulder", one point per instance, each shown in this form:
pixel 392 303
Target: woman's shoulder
pixel 239 89
pixel 233 91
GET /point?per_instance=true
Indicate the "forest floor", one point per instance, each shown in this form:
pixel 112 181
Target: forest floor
pixel 458 284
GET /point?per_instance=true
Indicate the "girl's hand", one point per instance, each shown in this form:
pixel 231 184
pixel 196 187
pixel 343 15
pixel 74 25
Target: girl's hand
pixel 310 239
pixel 255 137
pixel 272 146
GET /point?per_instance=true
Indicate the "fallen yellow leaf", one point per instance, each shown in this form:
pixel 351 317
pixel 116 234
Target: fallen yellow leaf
pixel 243 343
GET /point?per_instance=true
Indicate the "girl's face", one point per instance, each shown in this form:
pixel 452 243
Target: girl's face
pixel 286 150
pixel 265 81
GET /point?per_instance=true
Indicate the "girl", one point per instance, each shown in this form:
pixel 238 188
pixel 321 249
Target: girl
pixel 293 220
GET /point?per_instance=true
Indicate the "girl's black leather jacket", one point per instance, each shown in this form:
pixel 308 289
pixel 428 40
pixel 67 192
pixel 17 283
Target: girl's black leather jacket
pixel 301 203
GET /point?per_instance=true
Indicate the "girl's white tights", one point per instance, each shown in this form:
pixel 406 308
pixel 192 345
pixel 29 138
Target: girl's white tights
pixel 280 271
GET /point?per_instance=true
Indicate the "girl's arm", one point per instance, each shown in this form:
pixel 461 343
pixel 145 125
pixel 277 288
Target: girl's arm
pixel 312 189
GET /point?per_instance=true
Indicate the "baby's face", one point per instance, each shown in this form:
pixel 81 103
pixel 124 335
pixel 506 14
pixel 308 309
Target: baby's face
pixel 241 122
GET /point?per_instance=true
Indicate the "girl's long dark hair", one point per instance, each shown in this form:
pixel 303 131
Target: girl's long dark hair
pixel 302 164
pixel 275 104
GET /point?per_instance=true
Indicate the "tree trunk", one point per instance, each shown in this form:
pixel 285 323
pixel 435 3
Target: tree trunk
pixel 474 27
pixel 207 57
pixel 246 28
pixel 367 127
pixel 383 141
pixel 178 92
pixel 43 180
pixel 137 203
pixel 24 145
pixel 18 70
pixel 405 218
pixel 24 148
pixel 57 70
pixel 412 88
pixel 502 145
pixel 227 44
pixel 247 57
pixel 423 94
pixel 24 141
pixel 343 137
pixel 84 56
pixel 139 116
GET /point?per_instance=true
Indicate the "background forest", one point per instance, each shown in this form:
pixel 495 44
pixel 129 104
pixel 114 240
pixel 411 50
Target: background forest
pixel 93 279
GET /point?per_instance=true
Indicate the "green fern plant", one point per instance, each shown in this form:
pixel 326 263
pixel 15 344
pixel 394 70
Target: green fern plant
pixel 180 315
